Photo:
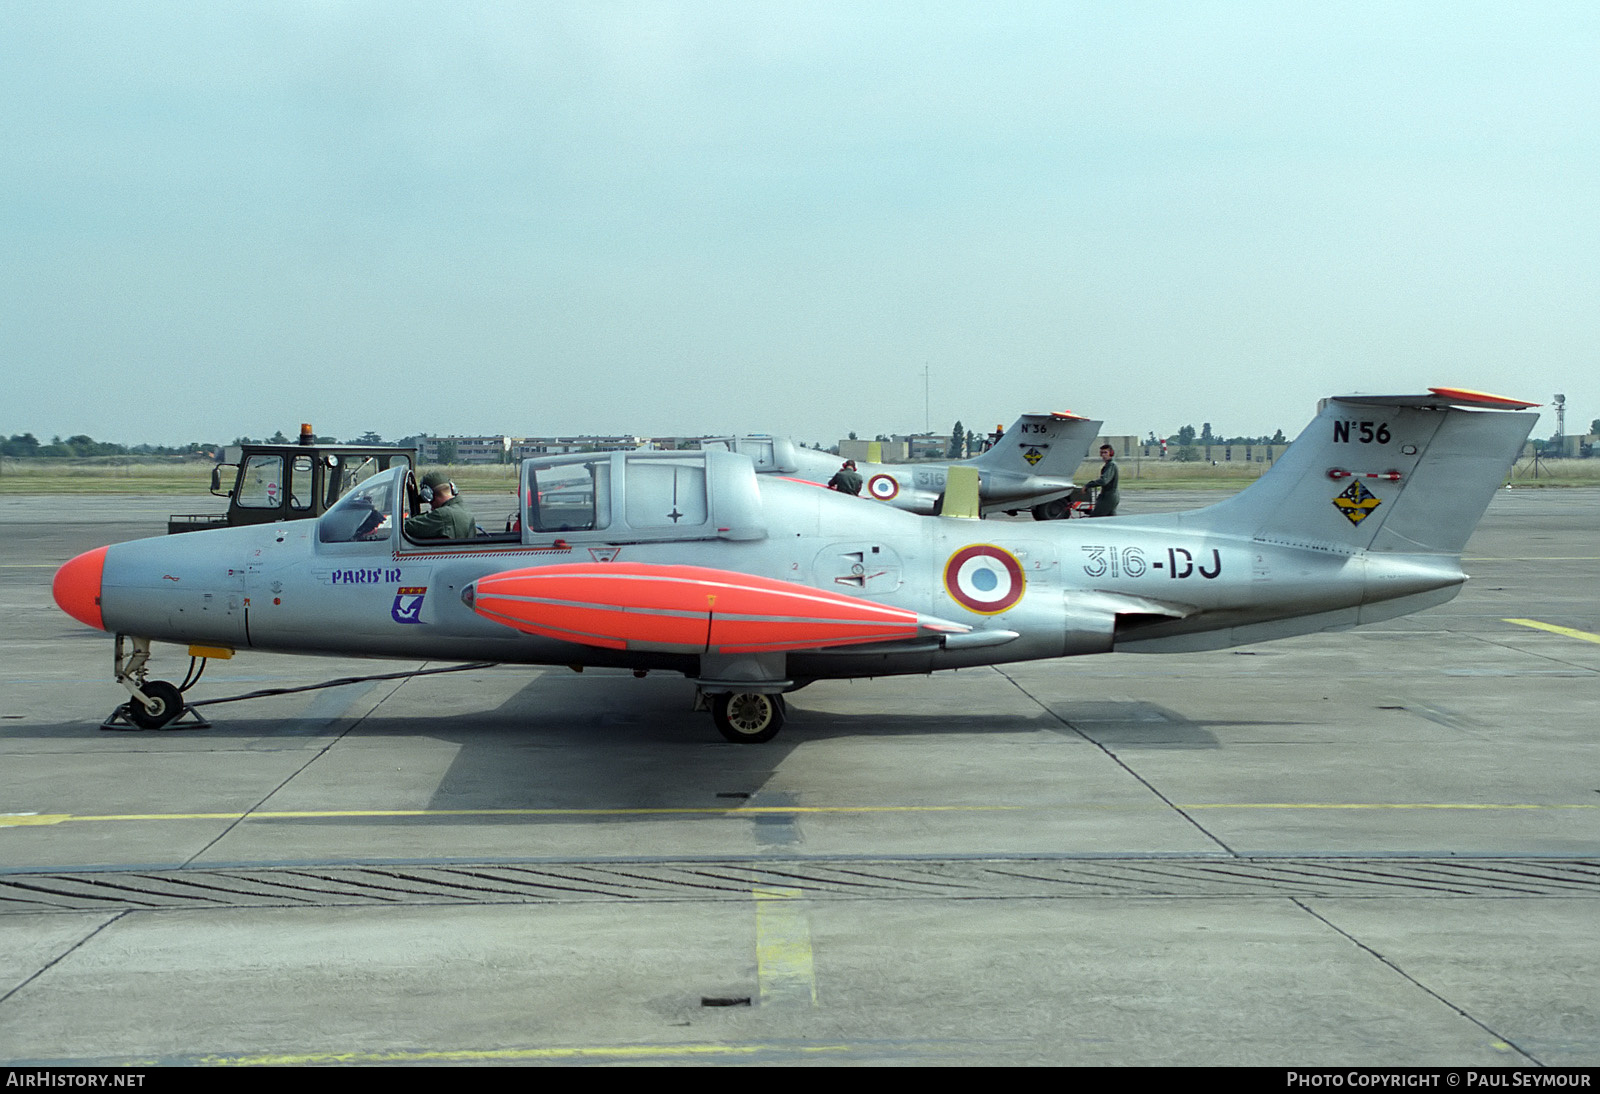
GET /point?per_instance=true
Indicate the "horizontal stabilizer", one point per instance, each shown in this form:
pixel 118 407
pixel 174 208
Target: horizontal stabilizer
pixel 687 609
pixel 1439 398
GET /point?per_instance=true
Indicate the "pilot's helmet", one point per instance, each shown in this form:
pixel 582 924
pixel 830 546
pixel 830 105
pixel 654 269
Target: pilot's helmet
pixel 432 481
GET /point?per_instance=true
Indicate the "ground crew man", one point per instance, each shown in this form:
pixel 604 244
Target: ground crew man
pixel 1105 504
pixel 846 480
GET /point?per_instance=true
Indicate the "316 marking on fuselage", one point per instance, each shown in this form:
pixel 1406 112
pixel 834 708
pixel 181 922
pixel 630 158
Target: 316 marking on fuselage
pixel 1104 561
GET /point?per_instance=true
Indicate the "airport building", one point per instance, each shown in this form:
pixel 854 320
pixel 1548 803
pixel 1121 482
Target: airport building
pixel 1569 446
pixel 523 447
pixel 506 449
pixel 490 449
pixel 1131 446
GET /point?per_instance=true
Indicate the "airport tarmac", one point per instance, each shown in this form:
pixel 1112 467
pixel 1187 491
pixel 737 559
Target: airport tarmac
pixel 1377 847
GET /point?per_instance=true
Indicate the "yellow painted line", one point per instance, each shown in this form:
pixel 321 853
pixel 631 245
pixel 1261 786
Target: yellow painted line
pixel 1384 805
pixel 784 969
pixel 601 1052
pixel 1566 632
pixel 27 820
pixel 20 820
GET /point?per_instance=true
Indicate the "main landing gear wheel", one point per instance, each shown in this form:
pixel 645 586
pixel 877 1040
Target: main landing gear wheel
pixel 747 717
pixel 167 704
pixel 1059 509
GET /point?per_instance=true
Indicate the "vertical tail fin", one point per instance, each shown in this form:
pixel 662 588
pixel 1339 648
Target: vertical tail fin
pixel 1408 474
pixel 1052 445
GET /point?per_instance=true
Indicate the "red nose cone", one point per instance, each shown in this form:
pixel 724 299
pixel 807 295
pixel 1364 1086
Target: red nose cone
pixel 77 587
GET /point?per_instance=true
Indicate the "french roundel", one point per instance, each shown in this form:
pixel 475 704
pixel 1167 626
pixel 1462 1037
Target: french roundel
pixel 984 578
pixel 883 487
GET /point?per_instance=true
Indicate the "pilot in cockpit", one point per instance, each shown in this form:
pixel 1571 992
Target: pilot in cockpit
pixel 449 518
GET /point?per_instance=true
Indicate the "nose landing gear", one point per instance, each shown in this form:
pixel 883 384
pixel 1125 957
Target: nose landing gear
pixel 152 704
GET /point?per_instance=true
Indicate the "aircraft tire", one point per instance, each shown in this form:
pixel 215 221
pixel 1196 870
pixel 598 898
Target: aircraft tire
pixel 1059 509
pixel 168 702
pixel 747 717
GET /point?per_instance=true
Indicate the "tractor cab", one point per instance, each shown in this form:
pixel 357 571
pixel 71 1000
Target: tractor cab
pixel 273 482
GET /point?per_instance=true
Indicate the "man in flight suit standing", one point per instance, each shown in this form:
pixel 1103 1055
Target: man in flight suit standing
pixel 1105 504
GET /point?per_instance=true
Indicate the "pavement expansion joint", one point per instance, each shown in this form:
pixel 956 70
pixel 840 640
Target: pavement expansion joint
pixel 880 879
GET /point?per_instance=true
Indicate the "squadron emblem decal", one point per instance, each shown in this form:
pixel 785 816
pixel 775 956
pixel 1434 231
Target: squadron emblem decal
pixel 1356 502
pixel 883 487
pixel 408 604
pixel 1034 453
pixel 984 579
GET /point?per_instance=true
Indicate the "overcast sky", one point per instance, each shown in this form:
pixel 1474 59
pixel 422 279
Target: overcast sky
pixel 227 218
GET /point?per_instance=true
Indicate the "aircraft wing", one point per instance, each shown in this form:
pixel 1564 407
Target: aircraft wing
pixel 688 609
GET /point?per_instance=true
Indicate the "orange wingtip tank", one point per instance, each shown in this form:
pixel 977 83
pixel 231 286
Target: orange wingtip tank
pixel 687 609
pixel 1468 397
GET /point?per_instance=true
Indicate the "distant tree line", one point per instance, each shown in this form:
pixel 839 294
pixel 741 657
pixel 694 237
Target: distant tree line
pixel 25 445
pixel 82 446
pixel 1187 436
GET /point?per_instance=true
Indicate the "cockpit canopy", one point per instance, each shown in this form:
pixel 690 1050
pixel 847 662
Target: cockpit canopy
pixel 365 514
pixel 602 497
pixel 770 454
pixel 634 497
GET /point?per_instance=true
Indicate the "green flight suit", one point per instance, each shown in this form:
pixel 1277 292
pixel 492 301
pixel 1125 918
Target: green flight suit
pixel 845 481
pixel 1105 504
pixel 450 520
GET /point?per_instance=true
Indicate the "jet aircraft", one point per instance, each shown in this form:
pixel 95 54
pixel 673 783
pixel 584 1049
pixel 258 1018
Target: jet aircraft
pixel 754 585
pixel 1030 467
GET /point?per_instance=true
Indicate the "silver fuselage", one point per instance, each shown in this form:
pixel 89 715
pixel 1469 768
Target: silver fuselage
pixel 1152 583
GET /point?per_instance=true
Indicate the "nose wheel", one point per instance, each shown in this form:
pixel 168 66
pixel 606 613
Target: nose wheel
pixel 166 703
pixel 747 717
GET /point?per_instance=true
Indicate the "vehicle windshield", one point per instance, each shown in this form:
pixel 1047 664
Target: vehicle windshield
pixel 366 513
pixel 351 470
pixel 261 485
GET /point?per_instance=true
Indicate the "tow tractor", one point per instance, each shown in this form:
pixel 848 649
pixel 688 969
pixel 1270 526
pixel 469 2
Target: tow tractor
pixel 274 482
